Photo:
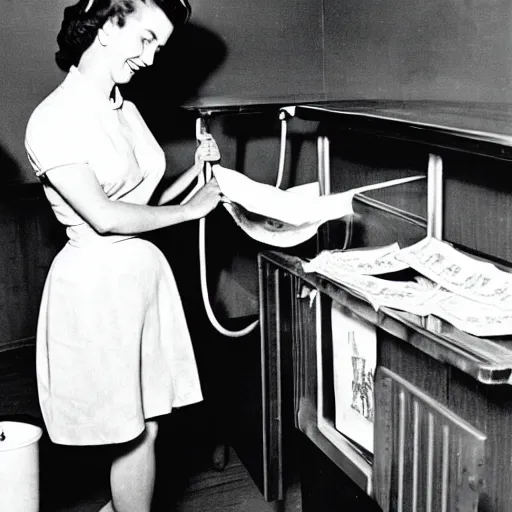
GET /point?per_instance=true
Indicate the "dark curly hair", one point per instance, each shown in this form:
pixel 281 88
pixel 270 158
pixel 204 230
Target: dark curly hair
pixel 79 28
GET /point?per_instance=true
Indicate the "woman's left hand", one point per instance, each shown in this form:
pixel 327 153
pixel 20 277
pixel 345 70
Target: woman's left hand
pixel 207 151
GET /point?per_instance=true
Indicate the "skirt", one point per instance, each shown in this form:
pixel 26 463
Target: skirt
pixel 113 347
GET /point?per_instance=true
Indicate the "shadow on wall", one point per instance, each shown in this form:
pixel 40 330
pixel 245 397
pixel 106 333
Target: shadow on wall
pixel 178 74
pixel 179 71
pixel 10 171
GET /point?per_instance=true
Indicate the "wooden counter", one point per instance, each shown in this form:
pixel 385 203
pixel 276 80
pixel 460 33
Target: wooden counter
pixel 487 360
pixel 443 398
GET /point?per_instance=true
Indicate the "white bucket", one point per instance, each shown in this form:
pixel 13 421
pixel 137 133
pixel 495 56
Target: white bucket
pixel 19 467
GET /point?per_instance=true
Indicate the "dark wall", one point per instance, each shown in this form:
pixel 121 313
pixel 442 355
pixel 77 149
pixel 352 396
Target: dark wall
pixel 29 239
pixel 273 50
pixel 27 45
pixel 477 204
pixel 440 49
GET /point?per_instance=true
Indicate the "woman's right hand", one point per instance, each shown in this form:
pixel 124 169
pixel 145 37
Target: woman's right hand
pixel 205 200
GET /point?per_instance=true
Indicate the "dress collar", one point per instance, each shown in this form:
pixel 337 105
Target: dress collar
pixel 92 91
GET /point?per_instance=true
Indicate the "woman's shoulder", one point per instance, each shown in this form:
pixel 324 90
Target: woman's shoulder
pixel 129 108
pixel 134 117
pixel 56 113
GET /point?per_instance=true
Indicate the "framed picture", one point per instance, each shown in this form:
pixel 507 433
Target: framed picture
pixel 354 346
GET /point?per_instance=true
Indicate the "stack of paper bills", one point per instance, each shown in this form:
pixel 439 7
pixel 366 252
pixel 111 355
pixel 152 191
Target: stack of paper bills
pixel 374 261
pixel 478 296
pixel 459 273
pixel 403 295
pixel 474 296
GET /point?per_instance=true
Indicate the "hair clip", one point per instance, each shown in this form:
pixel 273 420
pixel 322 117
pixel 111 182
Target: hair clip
pixel 89 5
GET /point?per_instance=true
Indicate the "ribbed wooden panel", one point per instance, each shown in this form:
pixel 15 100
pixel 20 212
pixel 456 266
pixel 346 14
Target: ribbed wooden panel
pixel 277 383
pixel 427 459
pixel 303 322
pixel 271 485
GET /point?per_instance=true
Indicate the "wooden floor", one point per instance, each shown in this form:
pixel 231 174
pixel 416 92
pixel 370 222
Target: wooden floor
pixel 207 490
pixel 76 479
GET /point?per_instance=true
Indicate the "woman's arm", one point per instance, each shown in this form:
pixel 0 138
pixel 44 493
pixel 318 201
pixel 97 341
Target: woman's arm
pixel 207 151
pixel 180 184
pixel 79 186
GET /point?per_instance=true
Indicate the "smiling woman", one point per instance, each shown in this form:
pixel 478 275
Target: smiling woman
pixel 146 26
pixel 83 21
pixel 113 348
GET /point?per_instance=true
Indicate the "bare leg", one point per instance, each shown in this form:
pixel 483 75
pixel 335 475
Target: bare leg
pixel 132 476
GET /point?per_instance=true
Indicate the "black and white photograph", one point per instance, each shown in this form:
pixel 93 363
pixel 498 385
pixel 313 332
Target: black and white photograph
pixel 255 256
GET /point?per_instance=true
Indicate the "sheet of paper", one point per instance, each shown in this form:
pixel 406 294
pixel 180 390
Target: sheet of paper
pixel 373 261
pixel 267 200
pixel 459 273
pixel 473 317
pixel 284 218
pixel 402 295
pixel 299 208
pixel 354 346
pixel 270 231
pixel 469 294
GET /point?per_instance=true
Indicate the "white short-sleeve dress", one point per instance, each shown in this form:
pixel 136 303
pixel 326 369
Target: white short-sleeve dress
pixel 113 347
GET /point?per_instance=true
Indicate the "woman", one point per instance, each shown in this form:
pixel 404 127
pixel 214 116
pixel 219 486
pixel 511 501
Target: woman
pixel 113 348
